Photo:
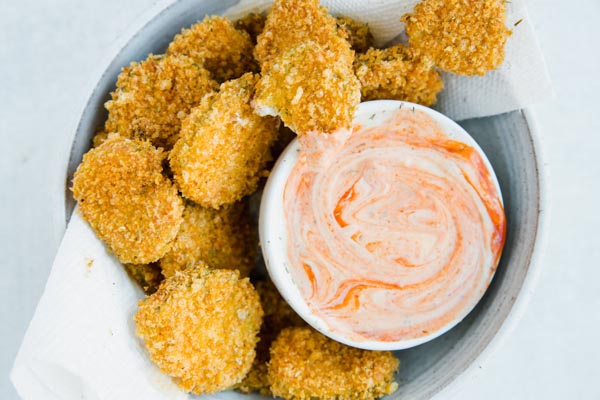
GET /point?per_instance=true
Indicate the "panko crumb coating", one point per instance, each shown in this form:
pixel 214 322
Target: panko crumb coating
pixel 277 316
pixel 99 138
pixel 224 146
pixel 127 201
pixel 252 23
pixel 293 22
pixel 466 37
pixel 201 328
pixel 306 365
pixel 148 276
pixel 357 33
pixel 222 239
pixel 311 88
pixel 215 44
pixel 154 96
pixel 397 73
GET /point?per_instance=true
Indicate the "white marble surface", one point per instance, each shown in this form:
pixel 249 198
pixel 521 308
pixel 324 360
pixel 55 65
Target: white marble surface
pixel 48 50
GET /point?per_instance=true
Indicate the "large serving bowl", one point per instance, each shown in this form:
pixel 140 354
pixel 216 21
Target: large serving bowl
pixel 509 140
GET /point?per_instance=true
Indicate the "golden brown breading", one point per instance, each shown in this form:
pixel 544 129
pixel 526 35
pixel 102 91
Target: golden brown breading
pixel 293 22
pixel 305 364
pixel 99 138
pixel 310 88
pixel 224 146
pixel 222 239
pixel 154 96
pixel 201 328
pixel 148 276
pixel 397 73
pixel 357 33
pixel 278 315
pixel 124 196
pixel 466 37
pixel 215 44
pixel 252 23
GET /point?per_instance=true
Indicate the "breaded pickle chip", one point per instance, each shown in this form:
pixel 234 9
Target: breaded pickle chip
pixel 466 37
pixel 224 146
pixel 278 315
pixel 310 87
pixel 397 73
pixel 293 22
pixel 357 33
pixel 252 23
pixel 124 196
pixel 201 328
pixel 305 365
pixel 148 276
pixel 221 238
pixel 216 45
pixel 154 96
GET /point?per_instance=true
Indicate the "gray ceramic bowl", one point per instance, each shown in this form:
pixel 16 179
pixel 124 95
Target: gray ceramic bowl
pixel 510 143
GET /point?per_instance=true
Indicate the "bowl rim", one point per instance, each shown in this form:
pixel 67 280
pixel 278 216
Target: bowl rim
pixel 530 282
pixel 64 206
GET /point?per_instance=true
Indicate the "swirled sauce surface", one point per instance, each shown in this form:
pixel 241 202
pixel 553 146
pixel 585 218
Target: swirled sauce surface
pixel 394 231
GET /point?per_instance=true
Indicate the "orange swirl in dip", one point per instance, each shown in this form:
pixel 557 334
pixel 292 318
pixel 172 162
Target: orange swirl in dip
pixel 394 232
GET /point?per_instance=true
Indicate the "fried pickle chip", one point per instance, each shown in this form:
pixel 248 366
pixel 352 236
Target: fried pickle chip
pixel 252 23
pixel 310 88
pixel 148 276
pixel 293 22
pixel 305 365
pixel 215 44
pixel 201 328
pixel 224 146
pixel 466 37
pixel 127 201
pixel 277 316
pixel 397 73
pixel 222 239
pixel 357 33
pixel 154 96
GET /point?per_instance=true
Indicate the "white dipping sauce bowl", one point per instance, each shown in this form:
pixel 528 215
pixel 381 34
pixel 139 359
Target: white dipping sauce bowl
pixel 273 227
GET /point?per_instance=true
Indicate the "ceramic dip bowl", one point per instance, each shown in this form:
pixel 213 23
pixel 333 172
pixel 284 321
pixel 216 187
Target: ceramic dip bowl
pixel 275 233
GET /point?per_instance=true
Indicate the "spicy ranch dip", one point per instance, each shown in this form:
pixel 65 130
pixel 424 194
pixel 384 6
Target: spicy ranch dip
pixel 394 229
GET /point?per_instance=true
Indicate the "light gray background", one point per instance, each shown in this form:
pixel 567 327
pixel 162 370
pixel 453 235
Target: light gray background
pixel 48 52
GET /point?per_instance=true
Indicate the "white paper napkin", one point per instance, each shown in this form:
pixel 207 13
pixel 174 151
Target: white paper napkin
pixel 81 343
pixel 521 80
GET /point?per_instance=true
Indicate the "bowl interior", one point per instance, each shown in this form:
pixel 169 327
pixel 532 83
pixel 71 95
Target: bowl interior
pixel 506 139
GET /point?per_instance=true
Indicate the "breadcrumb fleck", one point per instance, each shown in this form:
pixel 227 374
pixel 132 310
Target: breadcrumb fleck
pixel 323 103
pixel 123 195
pixel 192 328
pixel 224 146
pixel 397 73
pixel 99 138
pixel 215 44
pixel 357 33
pixel 222 239
pixel 305 365
pixel 153 96
pixel 277 316
pixel 147 276
pixel 466 37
